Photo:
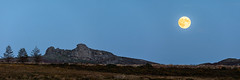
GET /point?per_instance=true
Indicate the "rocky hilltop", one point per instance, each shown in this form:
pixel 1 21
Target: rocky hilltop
pixel 228 61
pixel 83 54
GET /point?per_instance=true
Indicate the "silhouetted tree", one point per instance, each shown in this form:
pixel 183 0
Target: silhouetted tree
pixel 8 55
pixel 22 55
pixel 37 57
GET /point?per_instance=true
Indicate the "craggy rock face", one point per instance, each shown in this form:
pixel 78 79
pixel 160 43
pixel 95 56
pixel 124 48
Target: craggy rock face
pixel 50 50
pixel 84 54
pixel 82 51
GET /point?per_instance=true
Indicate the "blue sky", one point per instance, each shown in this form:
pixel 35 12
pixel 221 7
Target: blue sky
pixel 144 29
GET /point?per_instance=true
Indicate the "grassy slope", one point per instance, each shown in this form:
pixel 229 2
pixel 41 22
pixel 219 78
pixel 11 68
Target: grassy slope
pixel 21 71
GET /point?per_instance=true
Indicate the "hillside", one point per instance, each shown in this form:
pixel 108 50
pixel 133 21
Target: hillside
pixel 228 61
pixel 83 54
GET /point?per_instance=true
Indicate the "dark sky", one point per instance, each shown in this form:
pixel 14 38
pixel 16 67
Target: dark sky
pixel 144 29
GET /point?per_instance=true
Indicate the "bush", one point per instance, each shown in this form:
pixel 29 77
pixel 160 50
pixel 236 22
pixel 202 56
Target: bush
pixel 111 65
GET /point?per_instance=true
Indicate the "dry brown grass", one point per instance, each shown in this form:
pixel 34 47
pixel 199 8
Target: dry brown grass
pixel 36 72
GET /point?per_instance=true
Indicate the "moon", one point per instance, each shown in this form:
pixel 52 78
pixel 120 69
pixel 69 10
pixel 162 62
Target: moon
pixel 184 22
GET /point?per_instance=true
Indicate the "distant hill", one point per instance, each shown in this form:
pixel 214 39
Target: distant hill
pixel 83 54
pixel 228 61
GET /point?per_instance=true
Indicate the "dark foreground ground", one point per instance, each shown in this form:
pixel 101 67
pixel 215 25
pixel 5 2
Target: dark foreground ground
pixel 111 72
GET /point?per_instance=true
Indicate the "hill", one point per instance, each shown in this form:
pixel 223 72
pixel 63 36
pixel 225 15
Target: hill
pixel 83 54
pixel 228 61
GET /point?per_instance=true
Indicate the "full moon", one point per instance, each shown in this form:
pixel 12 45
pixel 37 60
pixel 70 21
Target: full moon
pixel 184 22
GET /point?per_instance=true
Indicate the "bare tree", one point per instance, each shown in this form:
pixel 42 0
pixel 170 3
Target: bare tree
pixel 22 55
pixel 37 57
pixel 8 55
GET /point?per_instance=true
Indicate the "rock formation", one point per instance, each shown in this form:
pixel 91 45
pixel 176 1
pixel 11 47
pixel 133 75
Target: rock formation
pixel 83 54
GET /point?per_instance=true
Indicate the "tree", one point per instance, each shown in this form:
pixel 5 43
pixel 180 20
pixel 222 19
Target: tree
pixel 37 57
pixel 22 55
pixel 8 55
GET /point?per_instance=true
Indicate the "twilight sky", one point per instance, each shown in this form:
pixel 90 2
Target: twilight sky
pixel 144 29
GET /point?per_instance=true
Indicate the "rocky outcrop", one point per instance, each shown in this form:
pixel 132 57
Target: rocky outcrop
pixel 83 54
